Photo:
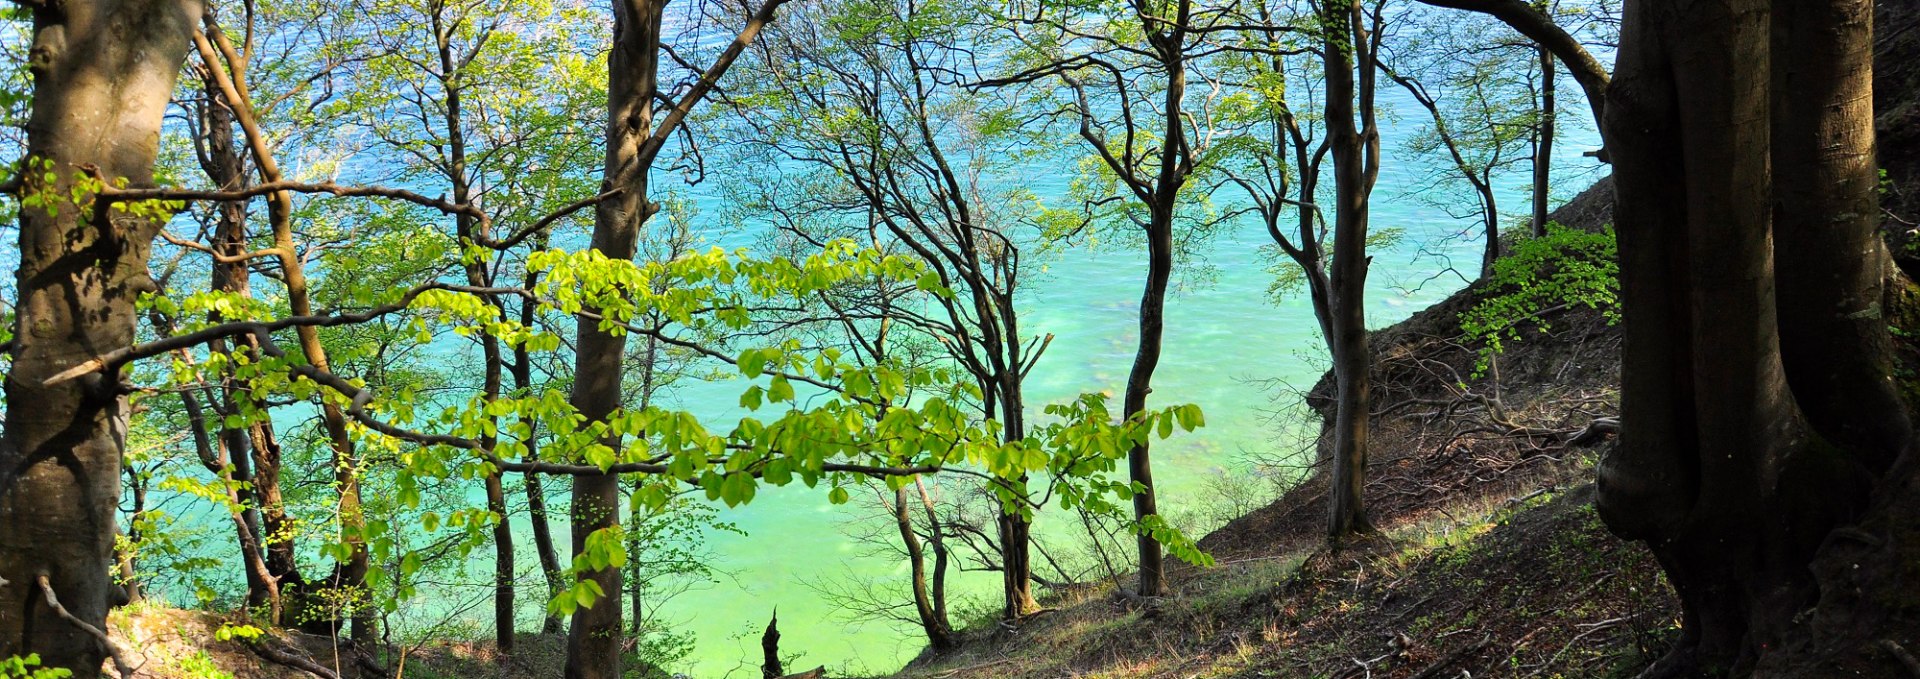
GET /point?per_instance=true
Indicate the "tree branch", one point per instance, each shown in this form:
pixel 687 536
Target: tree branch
pixel 1540 28
pixel 115 649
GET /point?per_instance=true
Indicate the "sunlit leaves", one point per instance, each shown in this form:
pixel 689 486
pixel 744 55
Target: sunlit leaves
pixel 1567 268
pixel 28 667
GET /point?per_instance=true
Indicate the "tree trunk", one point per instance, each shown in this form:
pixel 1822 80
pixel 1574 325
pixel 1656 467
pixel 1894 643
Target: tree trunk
pixel 493 363
pixel 939 637
pixel 1153 303
pixel 1171 174
pixel 593 641
pixel 252 448
pixel 220 160
pixel 102 76
pixel 349 578
pixel 1016 529
pixel 1355 151
pixel 129 565
pixel 1016 564
pixel 536 491
pixel 277 535
pixel 543 545
pixel 636 585
pixel 1831 259
pixel 1731 484
pixel 1543 143
pixel 940 556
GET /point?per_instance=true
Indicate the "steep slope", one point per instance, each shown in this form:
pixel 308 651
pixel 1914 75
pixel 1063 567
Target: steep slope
pixel 1493 561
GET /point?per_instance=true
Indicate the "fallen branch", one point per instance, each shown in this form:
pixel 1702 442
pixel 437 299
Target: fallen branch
pixel 1592 627
pixel 1912 664
pixel 1435 669
pixel 297 662
pixel 115 649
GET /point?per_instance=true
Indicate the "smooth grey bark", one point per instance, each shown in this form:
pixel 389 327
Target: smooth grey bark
pixel 103 72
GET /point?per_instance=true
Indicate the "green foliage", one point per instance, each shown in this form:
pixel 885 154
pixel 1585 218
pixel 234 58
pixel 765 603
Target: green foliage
pixel 201 666
pixel 1566 268
pixel 869 415
pixel 42 188
pixel 230 631
pixel 17 667
pixel 1289 278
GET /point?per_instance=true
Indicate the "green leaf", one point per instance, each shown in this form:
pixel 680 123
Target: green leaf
pixel 779 390
pixel 751 363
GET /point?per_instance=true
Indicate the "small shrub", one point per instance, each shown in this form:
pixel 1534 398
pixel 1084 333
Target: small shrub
pixel 1565 268
pixel 28 667
pixel 201 666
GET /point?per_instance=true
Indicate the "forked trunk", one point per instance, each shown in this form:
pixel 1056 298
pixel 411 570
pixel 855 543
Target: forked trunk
pixel 1348 54
pixel 939 635
pixel 1731 484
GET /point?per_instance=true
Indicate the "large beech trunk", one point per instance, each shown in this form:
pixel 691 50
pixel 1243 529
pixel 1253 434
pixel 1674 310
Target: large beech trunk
pixel 1756 401
pixel 102 75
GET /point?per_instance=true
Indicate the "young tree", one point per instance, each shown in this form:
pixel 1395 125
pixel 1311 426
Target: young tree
pixel 908 160
pixel 1483 117
pixel 1757 395
pixel 1547 99
pixel 227 67
pixel 475 99
pixel 1122 73
pixel 1350 48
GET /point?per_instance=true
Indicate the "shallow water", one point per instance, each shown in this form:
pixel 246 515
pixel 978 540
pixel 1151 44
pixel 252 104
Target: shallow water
pixel 1228 348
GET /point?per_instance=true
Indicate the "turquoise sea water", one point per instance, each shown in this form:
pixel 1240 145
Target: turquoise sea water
pixel 1227 344
pixel 1230 348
